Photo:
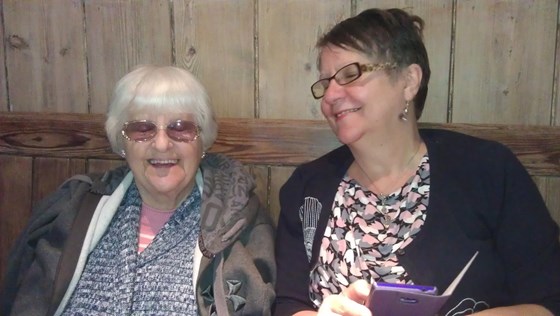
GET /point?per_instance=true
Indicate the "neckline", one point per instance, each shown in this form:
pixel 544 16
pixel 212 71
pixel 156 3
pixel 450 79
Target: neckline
pixel 379 193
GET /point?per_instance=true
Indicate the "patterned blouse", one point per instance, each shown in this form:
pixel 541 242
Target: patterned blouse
pixel 365 232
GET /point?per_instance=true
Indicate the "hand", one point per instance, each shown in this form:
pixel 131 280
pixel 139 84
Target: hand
pixel 348 303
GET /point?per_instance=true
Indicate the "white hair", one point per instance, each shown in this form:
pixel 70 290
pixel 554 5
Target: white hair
pixel 160 89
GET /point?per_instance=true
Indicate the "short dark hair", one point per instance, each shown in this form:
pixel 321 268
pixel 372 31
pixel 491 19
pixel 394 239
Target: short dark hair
pixel 390 35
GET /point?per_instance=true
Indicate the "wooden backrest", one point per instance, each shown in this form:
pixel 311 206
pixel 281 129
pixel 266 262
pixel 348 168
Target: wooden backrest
pixel 252 141
pixel 39 150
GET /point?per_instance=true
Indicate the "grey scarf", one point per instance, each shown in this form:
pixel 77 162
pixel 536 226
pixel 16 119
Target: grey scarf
pixel 159 281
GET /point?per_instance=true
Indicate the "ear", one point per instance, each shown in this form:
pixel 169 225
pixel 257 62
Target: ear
pixel 413 77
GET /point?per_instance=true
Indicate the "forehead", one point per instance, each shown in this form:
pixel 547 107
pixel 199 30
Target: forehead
pixel 158 116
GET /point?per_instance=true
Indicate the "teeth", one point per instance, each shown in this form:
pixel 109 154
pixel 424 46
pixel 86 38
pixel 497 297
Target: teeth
pixel 347 111
pixel 162 162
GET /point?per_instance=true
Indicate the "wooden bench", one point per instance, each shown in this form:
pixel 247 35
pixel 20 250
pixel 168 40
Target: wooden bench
pixel 40 150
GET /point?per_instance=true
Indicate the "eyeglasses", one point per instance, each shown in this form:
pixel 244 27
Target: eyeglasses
pixel 346 75
pixel 144 130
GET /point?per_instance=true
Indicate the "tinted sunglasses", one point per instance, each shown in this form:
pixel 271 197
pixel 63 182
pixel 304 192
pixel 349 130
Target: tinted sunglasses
pixel 144 130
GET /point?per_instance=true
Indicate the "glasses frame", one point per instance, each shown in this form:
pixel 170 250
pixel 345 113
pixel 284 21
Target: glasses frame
pixel 158 127
pixel 342 81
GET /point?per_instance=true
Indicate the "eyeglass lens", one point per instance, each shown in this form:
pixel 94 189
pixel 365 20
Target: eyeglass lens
pixel 180 130
pixel 344 75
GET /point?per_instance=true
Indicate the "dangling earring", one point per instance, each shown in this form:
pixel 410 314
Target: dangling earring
pixel 404 114
pixel 203 155
pixel 122 153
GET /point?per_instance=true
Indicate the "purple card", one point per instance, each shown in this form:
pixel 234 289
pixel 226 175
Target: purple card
pixel 418 300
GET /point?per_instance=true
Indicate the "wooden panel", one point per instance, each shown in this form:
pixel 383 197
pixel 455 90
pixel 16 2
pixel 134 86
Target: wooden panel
pixel 50 173
pixel 503 62
pixel 120 35
pixel 437 15
pixel 15 202
pixel 83 136
pixel 253 141
pixel 214 39
pixel 278 176
pixel 3 79
pixel 102 165
pixel 45 57
pixel 556 79
pixel 287 33
pixel 552 197
pixel 549 186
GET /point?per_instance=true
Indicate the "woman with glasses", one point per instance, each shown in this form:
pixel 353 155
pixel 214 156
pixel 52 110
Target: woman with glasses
pixel 175 232
pixel 396 204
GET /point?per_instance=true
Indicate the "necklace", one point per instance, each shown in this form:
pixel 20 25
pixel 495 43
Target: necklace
pixel 382 197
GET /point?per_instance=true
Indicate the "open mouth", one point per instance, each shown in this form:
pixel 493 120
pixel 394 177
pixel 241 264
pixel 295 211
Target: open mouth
pixel 162 162
pixel 343 113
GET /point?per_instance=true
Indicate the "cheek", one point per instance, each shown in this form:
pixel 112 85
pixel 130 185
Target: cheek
pixel 191 153
pixel 361 94
pixel 198 149
pixel 134 152
pixel 325 108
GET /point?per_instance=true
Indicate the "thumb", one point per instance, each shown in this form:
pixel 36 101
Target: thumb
pixel 358 291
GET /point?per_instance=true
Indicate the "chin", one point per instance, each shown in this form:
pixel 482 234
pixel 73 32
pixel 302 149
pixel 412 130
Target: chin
pixel 163 188
pixel 348 137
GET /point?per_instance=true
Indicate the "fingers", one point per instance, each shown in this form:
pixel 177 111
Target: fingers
pixel 348 303
pixel 357 291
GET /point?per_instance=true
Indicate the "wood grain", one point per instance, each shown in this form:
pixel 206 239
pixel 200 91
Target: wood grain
pixel 56 135
pixel 45 56
pixel 215 40
pixel 49 173
pixel 278 176
pixel 122 34
pixel 287 33
pixel 102 165
pixel 3 82
pixel 548 186
pixel 15 201
pixel 500 78
pixel 253 141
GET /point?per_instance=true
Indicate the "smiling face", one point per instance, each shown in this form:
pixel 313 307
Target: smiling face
pixel 164 170
pixel 369 105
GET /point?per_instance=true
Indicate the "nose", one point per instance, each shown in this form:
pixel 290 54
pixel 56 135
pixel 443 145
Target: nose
pixel 161 141
pixel 333 92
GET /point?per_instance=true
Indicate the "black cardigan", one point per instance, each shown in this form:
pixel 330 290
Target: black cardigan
pixel 481 199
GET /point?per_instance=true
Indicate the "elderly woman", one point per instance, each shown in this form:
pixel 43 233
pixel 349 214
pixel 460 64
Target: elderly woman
pixel 176 232
pixel 396 204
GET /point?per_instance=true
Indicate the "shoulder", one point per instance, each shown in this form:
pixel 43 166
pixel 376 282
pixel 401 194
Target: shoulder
pixel 456 140
pixel 316 180
pixel 103 183
pixel 463 161
pixel 69 194
pixel 453 147
pixel 222 164
pixel 332 164
pixel 219 168
pixel 226 182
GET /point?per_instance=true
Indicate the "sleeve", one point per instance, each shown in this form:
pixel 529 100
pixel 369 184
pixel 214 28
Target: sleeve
pixel 527 239
pixel 33 260
pixel 252 261
pixel 260 246
pixel 292 287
